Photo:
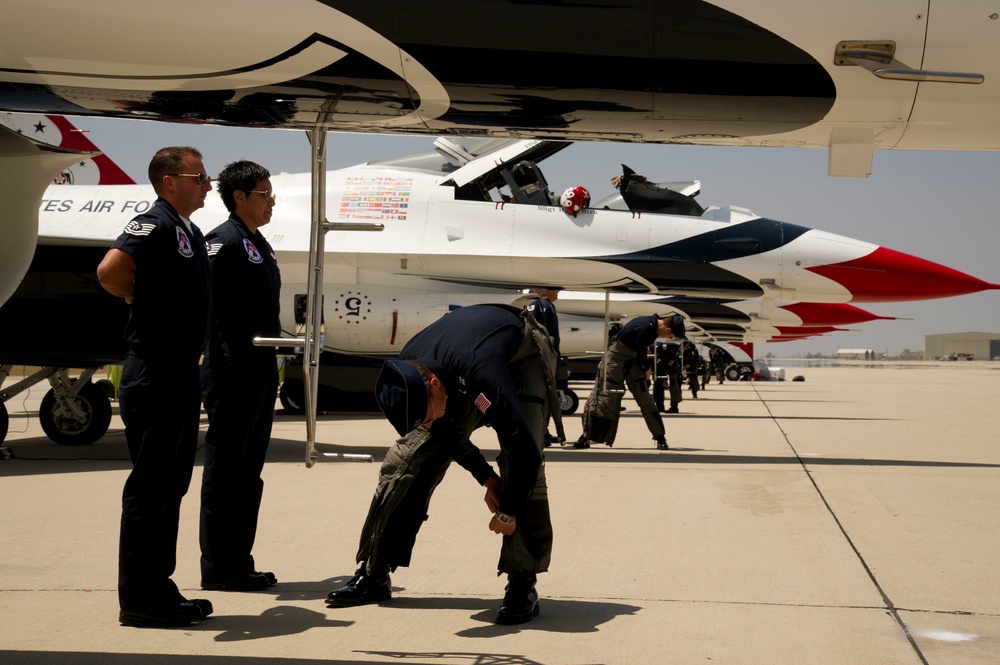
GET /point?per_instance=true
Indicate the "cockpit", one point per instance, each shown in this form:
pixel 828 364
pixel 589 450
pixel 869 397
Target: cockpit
pixel 507 171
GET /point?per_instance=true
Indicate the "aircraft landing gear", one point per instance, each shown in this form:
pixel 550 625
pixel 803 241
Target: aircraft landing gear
pixel 568 401
pixel 75 417
pixel 74 412
pixel 292 397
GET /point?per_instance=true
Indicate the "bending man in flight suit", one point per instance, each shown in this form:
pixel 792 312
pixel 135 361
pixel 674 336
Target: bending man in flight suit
pixel 626 364
pixel 481 365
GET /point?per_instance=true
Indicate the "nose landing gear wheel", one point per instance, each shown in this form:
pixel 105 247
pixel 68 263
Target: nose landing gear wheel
pixel 568 401
pixel 61 424
pixel 292 397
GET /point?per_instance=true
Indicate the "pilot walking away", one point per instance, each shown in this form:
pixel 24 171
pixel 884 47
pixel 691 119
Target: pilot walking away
pixel 480 365
pixel 239 380
pixel 692 367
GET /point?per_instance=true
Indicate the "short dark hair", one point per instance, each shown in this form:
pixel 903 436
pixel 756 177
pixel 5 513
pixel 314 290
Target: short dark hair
pixel 166 161
pixel 241 176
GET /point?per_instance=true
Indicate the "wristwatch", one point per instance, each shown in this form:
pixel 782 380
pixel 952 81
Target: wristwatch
pixel 504 518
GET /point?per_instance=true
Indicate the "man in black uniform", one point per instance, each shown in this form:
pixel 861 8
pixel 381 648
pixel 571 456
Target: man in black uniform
pixel 481 365
pixel 626 364
pixel 160 266
pixel 239 380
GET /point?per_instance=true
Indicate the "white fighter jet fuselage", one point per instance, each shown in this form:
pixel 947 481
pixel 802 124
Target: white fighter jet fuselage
pixel 456 236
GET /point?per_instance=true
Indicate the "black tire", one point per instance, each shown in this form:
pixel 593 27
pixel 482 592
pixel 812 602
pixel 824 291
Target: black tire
pixel 292 397
pixel 4 421
pixel 733 373
pixel 107 387
pixel 66 430
pixel 568 402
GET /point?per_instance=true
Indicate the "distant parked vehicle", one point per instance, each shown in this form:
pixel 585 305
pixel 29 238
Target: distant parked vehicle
pixel 958 356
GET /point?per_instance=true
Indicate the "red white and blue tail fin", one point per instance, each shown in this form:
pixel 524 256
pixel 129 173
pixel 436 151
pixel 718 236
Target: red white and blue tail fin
pixel 58 131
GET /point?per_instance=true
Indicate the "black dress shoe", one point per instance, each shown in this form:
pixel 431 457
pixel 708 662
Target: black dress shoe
pixel 362 589
pixel 581 443
pixel 271 579
pixel 182 614
pixel 661 443
pixel 672 409
pixel 520 601
pixel 249 582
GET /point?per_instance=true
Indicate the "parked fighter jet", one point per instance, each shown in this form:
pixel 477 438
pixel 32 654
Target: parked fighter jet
pixel 739 72
pixel 475 221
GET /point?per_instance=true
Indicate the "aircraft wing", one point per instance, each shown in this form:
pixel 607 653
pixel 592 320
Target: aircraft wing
pixel 743 72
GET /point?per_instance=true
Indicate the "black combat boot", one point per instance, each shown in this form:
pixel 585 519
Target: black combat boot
pixel 520 600
pixel 363 588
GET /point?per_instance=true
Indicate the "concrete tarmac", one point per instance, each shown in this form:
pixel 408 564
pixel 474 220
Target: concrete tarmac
pixel 850 518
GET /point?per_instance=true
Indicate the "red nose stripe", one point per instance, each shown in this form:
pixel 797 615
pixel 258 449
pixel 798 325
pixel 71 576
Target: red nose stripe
pixel 831 314
pixel 886 275
pixel 806 331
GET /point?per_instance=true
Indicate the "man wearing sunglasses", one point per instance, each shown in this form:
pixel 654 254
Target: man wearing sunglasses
pixel 239 380
pixel 159 264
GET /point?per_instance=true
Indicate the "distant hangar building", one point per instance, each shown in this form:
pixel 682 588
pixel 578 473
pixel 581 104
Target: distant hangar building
pixel 855 354
pixel 982 345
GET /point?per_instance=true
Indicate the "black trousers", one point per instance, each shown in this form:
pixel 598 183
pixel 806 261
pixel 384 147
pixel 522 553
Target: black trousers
pixel 239 399
pixel 160 403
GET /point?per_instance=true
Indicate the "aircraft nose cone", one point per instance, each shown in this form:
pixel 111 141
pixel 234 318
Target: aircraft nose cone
pixel 831 314
pixel 886 275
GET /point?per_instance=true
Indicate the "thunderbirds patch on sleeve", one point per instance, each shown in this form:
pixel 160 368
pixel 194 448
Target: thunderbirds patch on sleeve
pixel 184 244
pixel 252 254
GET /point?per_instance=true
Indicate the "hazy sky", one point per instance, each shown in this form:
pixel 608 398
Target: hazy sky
pixel 939 206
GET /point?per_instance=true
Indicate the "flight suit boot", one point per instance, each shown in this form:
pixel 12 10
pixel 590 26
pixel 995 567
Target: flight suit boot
pixel 363 588
pixel 520 600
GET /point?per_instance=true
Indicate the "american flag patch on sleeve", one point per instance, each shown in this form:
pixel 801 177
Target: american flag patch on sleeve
pixel 213 248
pixel 135 228
pixel 482 403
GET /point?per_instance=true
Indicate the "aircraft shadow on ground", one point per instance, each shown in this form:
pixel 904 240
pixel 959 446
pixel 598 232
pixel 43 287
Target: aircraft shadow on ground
pixel 684 455
pixel 52 459
pixel 393 657
pixel 763 416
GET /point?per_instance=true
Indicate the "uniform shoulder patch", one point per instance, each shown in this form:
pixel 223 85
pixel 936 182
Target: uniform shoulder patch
pixel 252 254
pixel 184 244
pixel 137 228
pixel 213 247
pixel 483 402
